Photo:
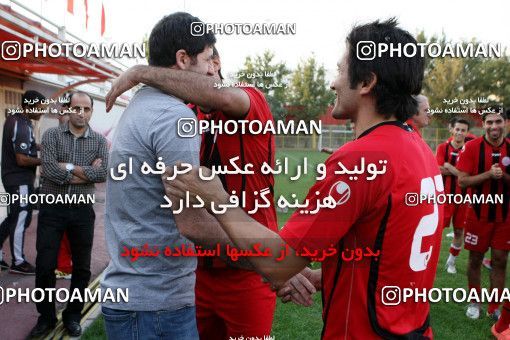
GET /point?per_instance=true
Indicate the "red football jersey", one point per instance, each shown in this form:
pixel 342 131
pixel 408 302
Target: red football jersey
pixel 373 214
pixel 477 157
pixel 413 127
pixel 217 149
pixel 447 153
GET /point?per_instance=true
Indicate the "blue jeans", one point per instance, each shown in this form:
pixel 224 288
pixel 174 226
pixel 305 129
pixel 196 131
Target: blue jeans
pixel 176 324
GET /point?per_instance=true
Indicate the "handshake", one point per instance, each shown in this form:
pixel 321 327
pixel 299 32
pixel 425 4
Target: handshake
pixel 298 289
pixel 301 287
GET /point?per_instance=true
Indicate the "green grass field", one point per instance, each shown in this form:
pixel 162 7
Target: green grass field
pixel 295 322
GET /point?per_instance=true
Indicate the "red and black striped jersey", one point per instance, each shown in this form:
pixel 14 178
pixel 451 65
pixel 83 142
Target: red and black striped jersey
pixel 447 153
pixel 478 157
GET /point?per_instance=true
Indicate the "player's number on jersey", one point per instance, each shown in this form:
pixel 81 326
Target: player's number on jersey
pixel 428 225
pixel 471 239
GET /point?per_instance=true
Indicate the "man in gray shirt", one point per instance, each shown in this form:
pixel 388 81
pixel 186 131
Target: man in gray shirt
pixel 161 289
pixel 134 217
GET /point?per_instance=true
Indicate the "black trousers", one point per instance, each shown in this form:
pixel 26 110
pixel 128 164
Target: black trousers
pixel 19 216
pixel 78 221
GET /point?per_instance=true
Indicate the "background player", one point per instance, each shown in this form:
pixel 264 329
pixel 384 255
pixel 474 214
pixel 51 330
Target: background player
pixel 469 135
pixel 225 308
pixel 447 154
pixel 482 168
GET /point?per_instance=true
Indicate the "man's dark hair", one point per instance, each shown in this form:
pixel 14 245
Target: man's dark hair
pixel 173 33
pixel 502 114
pixel 460 120
pixel 70 97
pixel 452 121
pixel 398 78
pixel 215 52
pixel 29 97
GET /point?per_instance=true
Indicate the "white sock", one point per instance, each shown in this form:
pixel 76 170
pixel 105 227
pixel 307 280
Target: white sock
pixel 451 260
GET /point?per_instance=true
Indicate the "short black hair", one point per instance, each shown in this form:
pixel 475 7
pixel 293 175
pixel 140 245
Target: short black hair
pixel 452 121
pixel 173 33
pixel 70 97
pixel 398 78
pixel 461 120
pixel 502 114
pixel 31 96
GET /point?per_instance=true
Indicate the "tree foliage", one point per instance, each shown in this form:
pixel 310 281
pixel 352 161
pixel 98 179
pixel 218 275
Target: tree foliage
pixel 465 78
pixel 265 65
pixel 309 93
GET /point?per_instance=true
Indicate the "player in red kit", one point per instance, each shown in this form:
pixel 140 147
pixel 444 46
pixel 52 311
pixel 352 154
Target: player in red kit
pixel 447 155
pixel 484 167
pixel 226 308
pixel 347 211
pixel 469 135
pixel 501 330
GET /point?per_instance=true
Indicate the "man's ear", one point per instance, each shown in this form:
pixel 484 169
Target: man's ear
pixel 182 59
pixel 368 85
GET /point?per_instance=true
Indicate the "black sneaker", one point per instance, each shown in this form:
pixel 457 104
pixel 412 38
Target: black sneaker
pixel 41 328
pixel 25 269
pixel 4 265
pixel 73 328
